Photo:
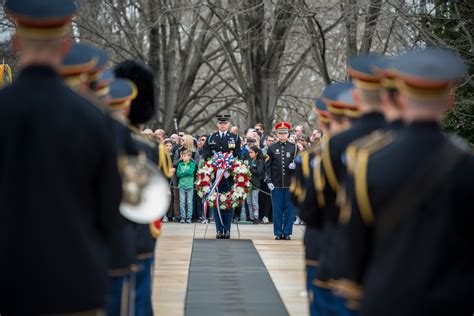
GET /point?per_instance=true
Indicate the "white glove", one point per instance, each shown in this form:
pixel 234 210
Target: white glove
pixel 226 174
pixel 271 186
pixel 292 166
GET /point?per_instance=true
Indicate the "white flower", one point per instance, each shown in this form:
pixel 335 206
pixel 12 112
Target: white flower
pixel 240 179
pixel 239 190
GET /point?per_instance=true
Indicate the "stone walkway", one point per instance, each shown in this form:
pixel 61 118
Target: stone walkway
pixel 284 261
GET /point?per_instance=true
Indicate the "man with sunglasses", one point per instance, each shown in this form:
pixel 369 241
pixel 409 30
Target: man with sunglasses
pixel 260 129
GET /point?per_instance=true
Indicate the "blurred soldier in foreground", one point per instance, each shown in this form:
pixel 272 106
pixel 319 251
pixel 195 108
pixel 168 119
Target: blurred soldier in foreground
pixel 58 189
pixel 304 196
pixel 140 111
pixel 409 236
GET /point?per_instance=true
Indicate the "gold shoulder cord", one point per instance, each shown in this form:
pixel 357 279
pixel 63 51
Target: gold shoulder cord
pixel 328 167
pixel 305 164
pixel 360 176
pixel 351 153
pixel 360 143
pixel 299 189
pixel 164 161
pixel 319 182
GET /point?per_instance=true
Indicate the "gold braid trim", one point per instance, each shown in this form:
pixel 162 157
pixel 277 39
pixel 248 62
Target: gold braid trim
pixel 319 181
pixel 347 289
pixel 328 167
pixel 361 189
pixel 345 206
pixel 350 157
pixel 301 195
pixel 293 185
pixel 360 175
pixel 364 142
pixel 312 263
pixel 305 164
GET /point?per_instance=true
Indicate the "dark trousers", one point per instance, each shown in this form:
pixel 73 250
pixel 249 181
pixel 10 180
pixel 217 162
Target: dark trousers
pixel 120 295
pixel 143 287
pixel 226 220
pixel 198 209
pixel 176 202
pixel 282 212
pixel 265 203
pixel 328 304
pixel 310 288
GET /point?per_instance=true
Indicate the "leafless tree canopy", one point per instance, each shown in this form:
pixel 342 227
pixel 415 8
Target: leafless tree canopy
pixel 260 60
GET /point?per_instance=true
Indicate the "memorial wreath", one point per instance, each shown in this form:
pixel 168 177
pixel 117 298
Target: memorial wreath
pixel 210 174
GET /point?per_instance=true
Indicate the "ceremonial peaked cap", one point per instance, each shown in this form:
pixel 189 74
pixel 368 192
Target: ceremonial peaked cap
pixel 283 127
pixel 429 73
pixel 101 87
pixel 322 110
pixel 122 92
pixel 362 69
pixel 339 100
pixel 223 118
pixel 387 73
pixel 41 19
pixel 79 60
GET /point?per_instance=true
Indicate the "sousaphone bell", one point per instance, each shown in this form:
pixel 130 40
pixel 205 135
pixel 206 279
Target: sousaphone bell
pixel 146 192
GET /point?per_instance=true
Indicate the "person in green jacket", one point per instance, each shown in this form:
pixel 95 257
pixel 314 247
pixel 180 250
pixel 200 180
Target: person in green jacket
pixel 185 174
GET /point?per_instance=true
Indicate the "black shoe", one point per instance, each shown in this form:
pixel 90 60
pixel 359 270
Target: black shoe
pixel 287 237
pixel 277 237
pixel 227 235
pixel 220 235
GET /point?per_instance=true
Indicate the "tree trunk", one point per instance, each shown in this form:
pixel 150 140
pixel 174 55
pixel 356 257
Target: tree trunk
pixel 154 53
pixel 373 13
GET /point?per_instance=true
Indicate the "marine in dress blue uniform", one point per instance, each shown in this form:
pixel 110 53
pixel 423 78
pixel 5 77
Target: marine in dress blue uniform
pixel 280 167
pixel 411 204
pixel 58 188
pixel 222 141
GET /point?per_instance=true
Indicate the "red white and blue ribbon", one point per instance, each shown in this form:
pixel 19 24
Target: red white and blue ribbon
pixel 222 162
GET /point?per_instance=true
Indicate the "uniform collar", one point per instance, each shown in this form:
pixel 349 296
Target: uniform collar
pixel 371 116
pixel 40 71
pixel 424 126
pixel 395 125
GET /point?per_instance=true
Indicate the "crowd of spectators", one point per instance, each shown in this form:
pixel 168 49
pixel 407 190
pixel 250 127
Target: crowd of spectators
pixel 185 151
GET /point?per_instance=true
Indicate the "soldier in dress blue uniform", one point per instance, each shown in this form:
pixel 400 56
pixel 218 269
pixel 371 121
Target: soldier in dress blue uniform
pixel 76 65
pixel 304 197
pixel 334 161
pixel 121 295
pixel 58 186
pixel 280 166
pixel 411 203
pixel 115 96
pixel 222 141
pixel 141 111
